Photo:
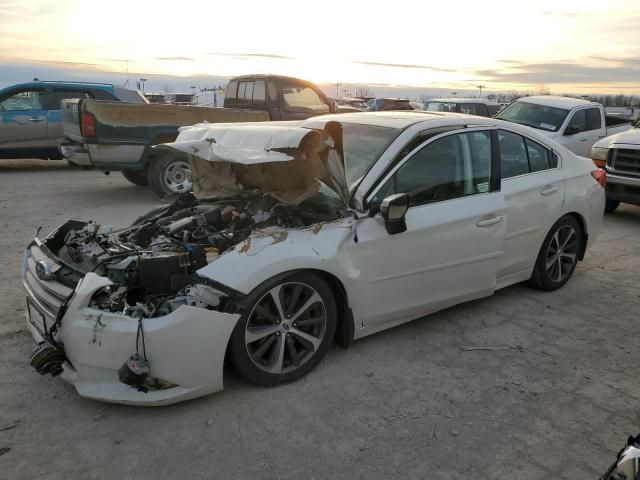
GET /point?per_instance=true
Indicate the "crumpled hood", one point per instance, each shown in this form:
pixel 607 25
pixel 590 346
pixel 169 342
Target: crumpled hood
pixel 279 158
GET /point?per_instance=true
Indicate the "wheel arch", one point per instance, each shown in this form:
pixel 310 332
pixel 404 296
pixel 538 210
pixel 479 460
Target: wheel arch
pixel 585 234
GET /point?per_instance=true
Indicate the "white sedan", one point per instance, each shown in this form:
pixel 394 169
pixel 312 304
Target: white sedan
pixel 301 234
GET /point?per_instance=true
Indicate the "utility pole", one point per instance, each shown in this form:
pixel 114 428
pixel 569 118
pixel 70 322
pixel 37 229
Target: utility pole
pixel 480 87
pixel 454 94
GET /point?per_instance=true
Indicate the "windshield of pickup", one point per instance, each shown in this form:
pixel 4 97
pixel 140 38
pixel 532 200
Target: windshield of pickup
pixel 542 117
pixel 363 145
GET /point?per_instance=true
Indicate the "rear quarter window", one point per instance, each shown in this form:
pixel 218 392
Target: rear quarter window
pixel 231 95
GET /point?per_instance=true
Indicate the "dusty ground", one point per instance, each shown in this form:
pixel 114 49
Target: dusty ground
pixel 407 403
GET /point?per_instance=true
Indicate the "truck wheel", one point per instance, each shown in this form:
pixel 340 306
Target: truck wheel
pixel 137 177
pixel 169 173
pixel 611 206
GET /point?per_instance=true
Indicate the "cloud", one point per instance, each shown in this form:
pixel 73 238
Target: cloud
pixel 404 65
pixel 565 73
pixel 250 55
pixel 180 59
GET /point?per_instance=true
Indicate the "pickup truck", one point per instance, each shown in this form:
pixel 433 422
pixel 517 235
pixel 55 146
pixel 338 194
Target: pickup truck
pixel 113 136
pixel 619 155
pixel 471 106
pixel 574 123
pixel 30 114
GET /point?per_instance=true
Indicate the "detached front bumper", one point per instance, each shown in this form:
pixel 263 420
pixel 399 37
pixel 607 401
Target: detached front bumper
pixel 185 348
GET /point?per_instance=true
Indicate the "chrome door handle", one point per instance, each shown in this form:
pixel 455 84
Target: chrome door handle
pixel 548 190
pixel 487 222
pixel 36 119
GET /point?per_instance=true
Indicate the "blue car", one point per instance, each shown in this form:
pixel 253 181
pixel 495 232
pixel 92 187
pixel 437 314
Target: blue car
pixel 30 124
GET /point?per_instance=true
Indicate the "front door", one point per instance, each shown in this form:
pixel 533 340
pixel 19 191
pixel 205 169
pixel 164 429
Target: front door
pixel 454 238
pixel 23 120
pixel 583 130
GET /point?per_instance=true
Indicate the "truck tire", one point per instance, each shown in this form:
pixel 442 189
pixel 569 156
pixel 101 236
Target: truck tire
pixel 611 206
pixel 137 177
pixel 169 173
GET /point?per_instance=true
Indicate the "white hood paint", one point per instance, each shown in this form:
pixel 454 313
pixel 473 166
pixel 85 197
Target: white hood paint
pixel 281 159
pixel 629 137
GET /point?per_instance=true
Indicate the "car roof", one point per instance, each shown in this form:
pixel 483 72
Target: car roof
pixel 463 100
pixel 64 84
pixel 392 119
pixel 556 101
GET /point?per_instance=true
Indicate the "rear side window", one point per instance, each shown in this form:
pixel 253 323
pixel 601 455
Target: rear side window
pixel 594 119
pixel 102 95
pixel 58 95
pixel 469 108
pixel 259 92
pixel 231 94
pixel 519 155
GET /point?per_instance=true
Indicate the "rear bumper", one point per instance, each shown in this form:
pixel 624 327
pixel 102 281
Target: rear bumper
pixel 75 153
pixel 624 189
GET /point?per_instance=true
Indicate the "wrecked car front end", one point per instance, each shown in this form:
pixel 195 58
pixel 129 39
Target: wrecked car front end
pixel 130 315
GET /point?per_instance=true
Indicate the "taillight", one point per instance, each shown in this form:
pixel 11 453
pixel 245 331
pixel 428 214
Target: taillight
pixel 88 125
pixel 600 176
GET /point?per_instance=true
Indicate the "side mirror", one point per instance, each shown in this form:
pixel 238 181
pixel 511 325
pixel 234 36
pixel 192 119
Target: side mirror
pixel 393 210
pixel 571 130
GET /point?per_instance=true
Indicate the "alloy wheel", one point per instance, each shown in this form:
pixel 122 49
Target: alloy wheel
pixel 562 253
pixel 177 176
pixel 285 328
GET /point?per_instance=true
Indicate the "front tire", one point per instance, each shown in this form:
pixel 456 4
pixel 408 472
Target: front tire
pixel 137 177
pixel 558 255
pixel 286 330
pixel 169 173
pixel 611 205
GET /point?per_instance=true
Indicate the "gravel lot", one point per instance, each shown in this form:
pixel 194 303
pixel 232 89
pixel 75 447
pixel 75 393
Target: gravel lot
pixel 406 403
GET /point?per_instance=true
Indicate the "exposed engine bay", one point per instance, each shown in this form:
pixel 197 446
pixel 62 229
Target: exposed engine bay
pixel 152 263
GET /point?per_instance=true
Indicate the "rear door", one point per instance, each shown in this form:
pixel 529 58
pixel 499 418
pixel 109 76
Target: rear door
pixel 534 192
pixel 23 117
pixel 54 115
pixel 455 231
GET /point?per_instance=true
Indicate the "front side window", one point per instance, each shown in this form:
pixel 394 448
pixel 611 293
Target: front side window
pixel 24 101
pixel 450 167
pixel 594 119
pixel 542 117
pixel 441 106
pixel 578 123
pixel 469 109
pixel 302 99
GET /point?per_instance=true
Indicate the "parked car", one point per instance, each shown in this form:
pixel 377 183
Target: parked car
pixel 575 123
pixel 619 155
pixel 356 103
pixel 387 104
pixel 30 114
pixel 114 136
pixel 336 227
pixel 93 139
pixel 470 106
pixel 284 98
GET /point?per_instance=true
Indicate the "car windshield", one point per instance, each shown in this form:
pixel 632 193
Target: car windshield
pixel 441 107
pixel 363 145
pixel 542 117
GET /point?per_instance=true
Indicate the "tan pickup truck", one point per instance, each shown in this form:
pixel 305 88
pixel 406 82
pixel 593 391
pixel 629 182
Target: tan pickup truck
pixel 116 136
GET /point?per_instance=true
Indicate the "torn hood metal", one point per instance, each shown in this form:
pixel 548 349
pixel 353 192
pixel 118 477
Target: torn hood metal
pixel 282 159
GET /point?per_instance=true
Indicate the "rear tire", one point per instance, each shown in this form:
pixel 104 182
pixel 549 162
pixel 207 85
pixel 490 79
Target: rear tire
pixel 169 173
pixel 611 206
pixel 286 330
pixel 137 177
pixel 558 255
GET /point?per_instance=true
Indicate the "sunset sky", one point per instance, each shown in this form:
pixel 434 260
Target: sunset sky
pixel 569 46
